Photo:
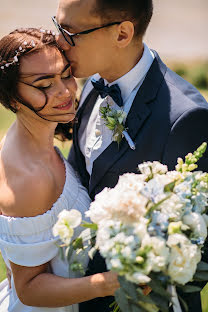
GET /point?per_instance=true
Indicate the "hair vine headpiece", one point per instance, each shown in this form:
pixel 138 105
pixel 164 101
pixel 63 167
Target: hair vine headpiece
pixel 22 48
pixel 48 32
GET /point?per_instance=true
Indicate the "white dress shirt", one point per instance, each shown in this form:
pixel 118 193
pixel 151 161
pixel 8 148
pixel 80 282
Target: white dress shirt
pixel 96 136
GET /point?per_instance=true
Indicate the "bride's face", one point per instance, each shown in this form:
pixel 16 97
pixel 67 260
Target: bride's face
pixel 46 75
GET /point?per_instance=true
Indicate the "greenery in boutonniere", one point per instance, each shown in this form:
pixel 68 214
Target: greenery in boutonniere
pixel 114 120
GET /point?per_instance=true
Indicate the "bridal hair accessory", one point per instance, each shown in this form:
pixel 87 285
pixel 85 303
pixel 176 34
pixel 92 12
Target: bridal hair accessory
pixel 48 32
pixel 24 46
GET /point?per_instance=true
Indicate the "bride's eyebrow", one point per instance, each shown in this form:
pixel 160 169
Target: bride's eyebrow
pixel 51 75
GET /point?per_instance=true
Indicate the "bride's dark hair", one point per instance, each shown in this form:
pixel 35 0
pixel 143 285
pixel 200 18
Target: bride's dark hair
pixel 22 42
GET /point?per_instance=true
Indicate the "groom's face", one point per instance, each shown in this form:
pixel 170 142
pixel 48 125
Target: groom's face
pixel 92 52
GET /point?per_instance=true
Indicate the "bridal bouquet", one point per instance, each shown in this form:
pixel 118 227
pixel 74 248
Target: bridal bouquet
pixel 151 228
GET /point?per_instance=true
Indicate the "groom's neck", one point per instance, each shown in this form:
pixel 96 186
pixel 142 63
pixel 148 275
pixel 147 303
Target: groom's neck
pixel 123 62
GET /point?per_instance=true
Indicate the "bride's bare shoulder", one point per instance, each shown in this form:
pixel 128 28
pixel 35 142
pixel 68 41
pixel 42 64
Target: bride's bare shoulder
pixel 24 186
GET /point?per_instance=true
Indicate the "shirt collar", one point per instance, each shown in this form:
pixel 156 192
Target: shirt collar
pixel 134 77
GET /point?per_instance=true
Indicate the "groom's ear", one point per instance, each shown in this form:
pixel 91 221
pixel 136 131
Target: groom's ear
pixel 125 34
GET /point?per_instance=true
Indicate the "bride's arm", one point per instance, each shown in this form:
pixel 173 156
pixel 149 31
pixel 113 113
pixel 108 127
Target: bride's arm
pixel 36 287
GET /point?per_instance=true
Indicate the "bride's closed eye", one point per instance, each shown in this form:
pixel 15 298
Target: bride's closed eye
pixel 66 74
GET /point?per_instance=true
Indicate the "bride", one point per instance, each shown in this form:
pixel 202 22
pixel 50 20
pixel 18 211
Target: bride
pixel 36 183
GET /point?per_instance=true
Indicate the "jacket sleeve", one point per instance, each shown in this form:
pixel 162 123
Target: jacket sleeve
pixel 72 158
pixel 188 132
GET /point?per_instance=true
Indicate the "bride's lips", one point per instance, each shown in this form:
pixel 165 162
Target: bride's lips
pixel 65 105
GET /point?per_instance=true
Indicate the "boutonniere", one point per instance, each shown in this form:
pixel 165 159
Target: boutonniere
pixel 114 120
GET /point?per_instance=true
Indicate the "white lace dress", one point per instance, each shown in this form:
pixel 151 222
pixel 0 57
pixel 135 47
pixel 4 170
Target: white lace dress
pixel 30 242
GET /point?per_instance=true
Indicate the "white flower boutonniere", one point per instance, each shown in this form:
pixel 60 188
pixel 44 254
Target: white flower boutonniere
pixel 114 120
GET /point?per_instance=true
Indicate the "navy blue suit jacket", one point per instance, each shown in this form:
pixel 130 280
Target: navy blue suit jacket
pixel 168 119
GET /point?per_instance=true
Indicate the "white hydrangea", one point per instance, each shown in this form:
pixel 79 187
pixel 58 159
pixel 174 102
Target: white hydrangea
pixel 67 221
pixel 158 256
pixel 196 223
pixel 173 207
pixel 154 189
pixel 152 168
pixel 183 260
pixel 123 202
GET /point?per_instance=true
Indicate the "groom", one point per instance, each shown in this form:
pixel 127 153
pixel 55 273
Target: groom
pixel 166 116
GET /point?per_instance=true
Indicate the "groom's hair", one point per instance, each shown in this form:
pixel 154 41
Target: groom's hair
pixel 139 12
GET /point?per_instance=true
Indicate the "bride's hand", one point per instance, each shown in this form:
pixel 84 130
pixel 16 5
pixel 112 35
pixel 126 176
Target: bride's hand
pixel 106 283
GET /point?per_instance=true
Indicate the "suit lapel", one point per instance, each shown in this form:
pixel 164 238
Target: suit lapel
pixel 139 112
pixel 81 123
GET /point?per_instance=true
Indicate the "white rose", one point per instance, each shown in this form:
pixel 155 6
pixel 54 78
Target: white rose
pixel 183 260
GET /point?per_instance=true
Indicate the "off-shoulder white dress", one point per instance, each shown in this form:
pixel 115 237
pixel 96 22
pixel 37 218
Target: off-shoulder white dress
pixel 30 242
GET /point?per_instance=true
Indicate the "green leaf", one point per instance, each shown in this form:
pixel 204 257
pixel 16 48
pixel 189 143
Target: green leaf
pixel 78 243
pixel 129 288
pixel 190 289
pixel 136 308
pixel 169 187
pixel 200 276
pixel 61 253
pixel 160 301
pixel 122 300
pixel 202 266
pixel 69 252
pixel 92 226
pixel 148 307
pixel 158 288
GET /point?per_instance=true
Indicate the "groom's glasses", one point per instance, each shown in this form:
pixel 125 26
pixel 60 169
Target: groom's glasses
pixel 69 36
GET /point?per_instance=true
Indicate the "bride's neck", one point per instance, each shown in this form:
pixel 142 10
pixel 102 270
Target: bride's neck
pixel 38 134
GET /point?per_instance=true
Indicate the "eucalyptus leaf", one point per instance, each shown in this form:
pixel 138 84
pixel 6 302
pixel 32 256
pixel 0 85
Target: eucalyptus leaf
pixel 202 266
pixel 158 288
pixel 201 276
pixel 190 289
pixel 143 298
pixel 136 308
pixel 122 300
pixel 129 288
pixel 148 307
pixel 161 302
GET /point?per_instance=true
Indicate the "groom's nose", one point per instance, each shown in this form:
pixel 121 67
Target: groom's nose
pixel 62 42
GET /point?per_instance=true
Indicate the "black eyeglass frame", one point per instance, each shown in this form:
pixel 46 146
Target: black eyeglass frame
pixel 64 32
